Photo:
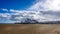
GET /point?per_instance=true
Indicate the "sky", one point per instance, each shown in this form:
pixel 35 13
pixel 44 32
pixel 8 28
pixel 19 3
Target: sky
pixel 12 11
pixel 15 4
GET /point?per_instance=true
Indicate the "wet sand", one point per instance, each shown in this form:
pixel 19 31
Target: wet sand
pixel 29 28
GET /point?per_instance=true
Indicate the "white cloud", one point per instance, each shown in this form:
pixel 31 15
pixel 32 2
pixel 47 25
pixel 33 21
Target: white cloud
pixel 37 15
pixel 5 9
pixel 46 10
pixel 53 5
pixel 20 15
pixel 4 18
pixel 5 15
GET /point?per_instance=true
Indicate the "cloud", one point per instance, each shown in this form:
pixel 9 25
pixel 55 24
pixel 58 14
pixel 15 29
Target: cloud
pixel 40 16
pixel 4 17
pixel 53 5
pixel 21 15
pixel 45 10
pixel 5 9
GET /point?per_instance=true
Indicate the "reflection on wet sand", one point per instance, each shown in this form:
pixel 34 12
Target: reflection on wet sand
pixel 30 29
